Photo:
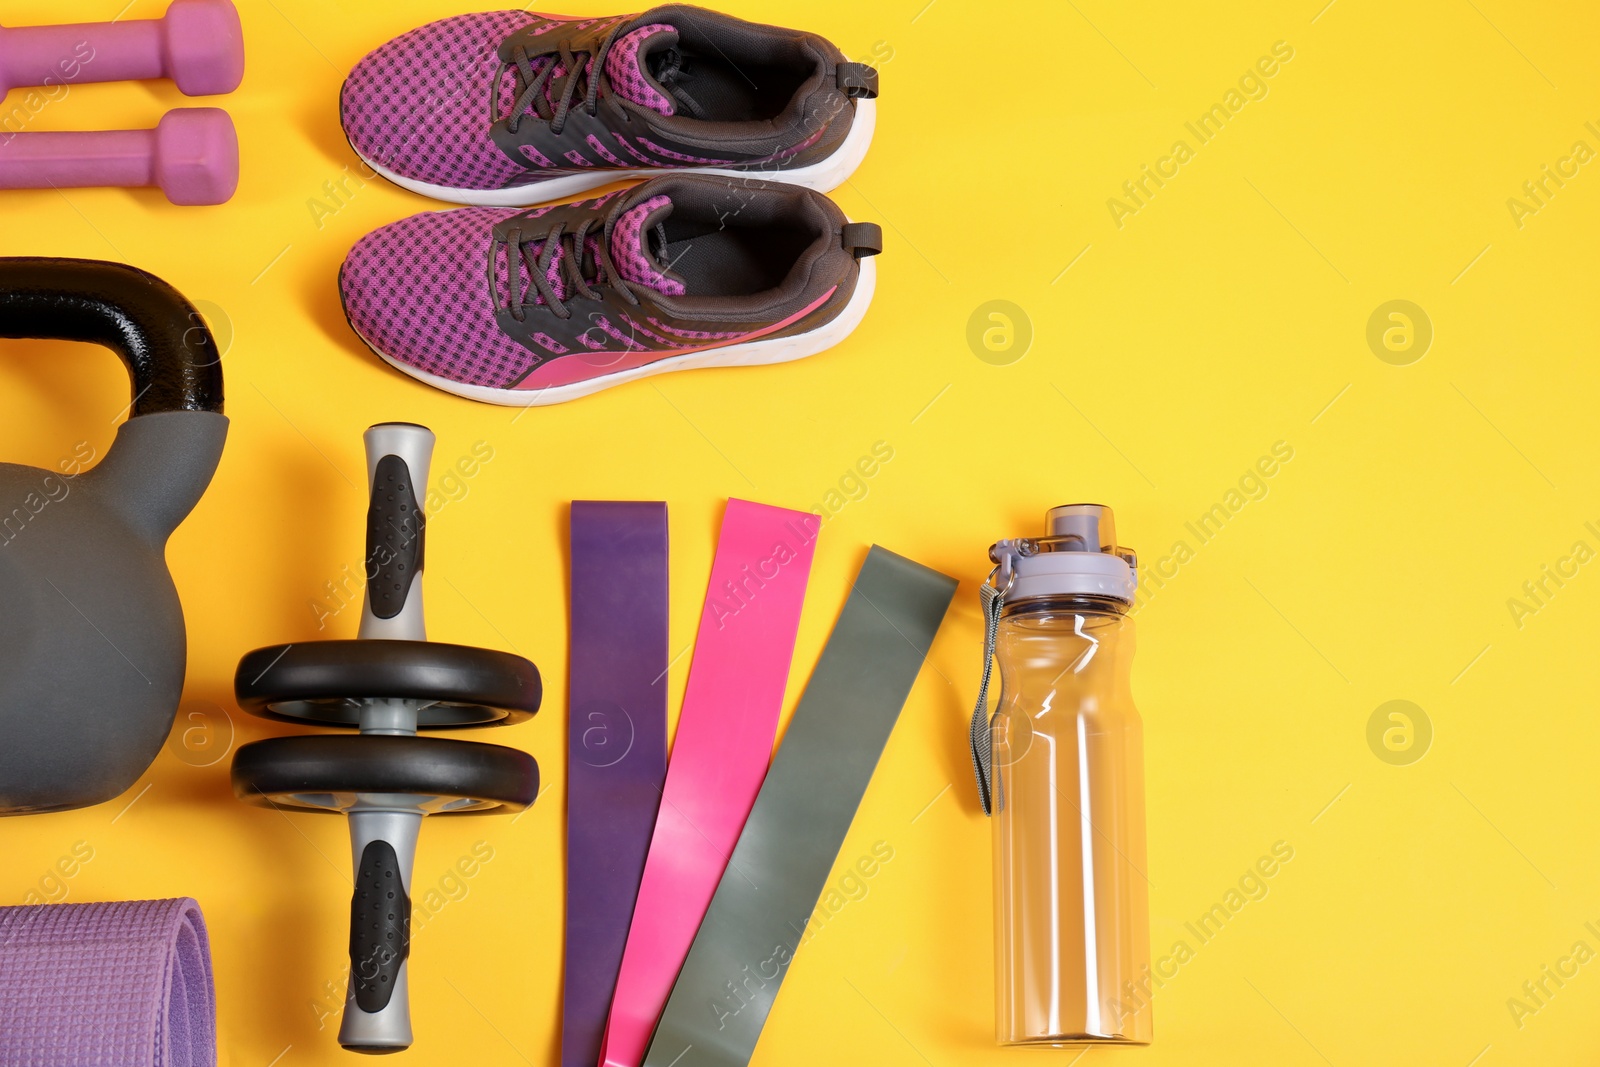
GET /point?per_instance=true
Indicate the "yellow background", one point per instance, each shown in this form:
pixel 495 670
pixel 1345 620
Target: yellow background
pixel 1229 313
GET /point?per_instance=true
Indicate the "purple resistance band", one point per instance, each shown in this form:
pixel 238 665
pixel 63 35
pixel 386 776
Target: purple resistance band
pixel 125 983
pixel 617 706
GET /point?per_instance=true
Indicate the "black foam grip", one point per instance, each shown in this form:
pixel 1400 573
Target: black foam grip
pixel 395 529
pixel 380 926
pixel 166 345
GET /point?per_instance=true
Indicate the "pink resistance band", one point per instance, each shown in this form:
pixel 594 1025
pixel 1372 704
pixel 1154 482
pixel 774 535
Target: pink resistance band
pixel 719 756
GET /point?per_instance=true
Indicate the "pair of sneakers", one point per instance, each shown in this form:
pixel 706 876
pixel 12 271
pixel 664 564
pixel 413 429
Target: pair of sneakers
pixel 727 255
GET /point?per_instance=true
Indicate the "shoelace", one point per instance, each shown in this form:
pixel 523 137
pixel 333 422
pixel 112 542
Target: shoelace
pixel 668 70
pixel 533 83
pixel 537 253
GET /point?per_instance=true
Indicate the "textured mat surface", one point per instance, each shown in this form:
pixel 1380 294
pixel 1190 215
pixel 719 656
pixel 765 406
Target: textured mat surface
pixel 122 984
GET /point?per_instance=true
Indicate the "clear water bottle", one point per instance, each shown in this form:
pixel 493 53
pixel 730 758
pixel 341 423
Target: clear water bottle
pixel 1061 769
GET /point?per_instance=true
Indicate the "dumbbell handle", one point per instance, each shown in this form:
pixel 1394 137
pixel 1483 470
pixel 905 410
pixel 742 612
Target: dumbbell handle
pixel 398 457
pixel 74 160
pixel 197 43
pixel 192 155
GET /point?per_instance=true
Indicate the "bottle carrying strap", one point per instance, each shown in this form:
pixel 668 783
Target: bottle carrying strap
pixel 980 734
pixel 981 729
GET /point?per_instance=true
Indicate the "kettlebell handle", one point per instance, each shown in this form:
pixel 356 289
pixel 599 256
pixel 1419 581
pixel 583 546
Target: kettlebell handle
pixel 168 349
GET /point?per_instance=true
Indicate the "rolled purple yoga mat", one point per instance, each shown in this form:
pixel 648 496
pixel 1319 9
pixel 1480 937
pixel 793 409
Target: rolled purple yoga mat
pixel 120 984
pixel 617 749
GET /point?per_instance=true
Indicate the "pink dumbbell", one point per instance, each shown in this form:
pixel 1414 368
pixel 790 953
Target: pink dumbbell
pixel 197 43
pixel 193 155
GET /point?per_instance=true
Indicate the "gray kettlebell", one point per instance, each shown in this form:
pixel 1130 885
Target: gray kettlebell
pixel 92 644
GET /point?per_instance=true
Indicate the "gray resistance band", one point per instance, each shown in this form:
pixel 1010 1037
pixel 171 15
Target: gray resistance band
pixel 792 837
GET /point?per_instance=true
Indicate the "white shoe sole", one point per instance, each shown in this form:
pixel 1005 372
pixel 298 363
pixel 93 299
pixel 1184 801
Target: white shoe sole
pixel 749 354
pixel 824 175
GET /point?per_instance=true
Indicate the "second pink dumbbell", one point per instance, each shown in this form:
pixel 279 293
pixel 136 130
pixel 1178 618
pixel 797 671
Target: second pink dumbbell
pixel 193 156
pixel 197 43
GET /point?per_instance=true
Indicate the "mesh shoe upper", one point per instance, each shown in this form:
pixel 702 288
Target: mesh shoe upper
pixel 418 105
pixel 416 290
pixel 486 101
pixel 630 73
pixel 462 295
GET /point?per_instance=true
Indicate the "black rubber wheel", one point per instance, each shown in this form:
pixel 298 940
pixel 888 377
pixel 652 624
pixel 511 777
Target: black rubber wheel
pixel 323 682
pixel 324 772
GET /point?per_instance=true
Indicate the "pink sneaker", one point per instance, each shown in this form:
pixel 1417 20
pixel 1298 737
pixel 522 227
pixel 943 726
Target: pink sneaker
pixel 528 307
pixel 510 108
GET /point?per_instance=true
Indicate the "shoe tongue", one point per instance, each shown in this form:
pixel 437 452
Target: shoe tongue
pixel 638 245
pixel 642 63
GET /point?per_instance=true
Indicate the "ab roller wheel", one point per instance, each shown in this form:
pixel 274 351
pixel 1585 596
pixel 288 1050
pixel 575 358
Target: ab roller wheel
pixel 389 683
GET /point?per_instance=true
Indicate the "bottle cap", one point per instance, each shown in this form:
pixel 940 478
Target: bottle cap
pixel 1078 556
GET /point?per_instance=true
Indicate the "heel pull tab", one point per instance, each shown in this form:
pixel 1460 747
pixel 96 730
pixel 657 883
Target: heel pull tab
pixel 858 81
pixel 861 239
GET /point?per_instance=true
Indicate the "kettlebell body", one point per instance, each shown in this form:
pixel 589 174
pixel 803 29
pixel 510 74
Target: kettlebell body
pixel 92 643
